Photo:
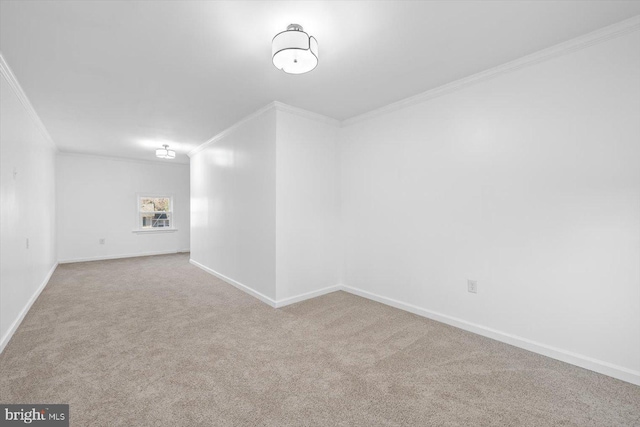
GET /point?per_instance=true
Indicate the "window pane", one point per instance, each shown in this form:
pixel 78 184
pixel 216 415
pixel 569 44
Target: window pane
pixel 146 205
pixel 157 220
pixel 155 204
pixel 146 220
pixel 162 204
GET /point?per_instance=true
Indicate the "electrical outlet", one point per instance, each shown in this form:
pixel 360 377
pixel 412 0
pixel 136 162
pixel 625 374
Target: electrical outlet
pixel 472 286
pixel 101 241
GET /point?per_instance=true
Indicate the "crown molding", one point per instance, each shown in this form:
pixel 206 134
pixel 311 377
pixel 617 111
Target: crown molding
pixel 612 31
pixel 6 72
pixel 231 128
pixel 306 114
pixel 578 43
pixel 274 105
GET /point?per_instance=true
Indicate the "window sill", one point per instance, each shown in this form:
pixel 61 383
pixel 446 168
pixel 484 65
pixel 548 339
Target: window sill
pixel 156 230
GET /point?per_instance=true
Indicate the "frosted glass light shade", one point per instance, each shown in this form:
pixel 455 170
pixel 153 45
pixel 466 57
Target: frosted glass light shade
pixel 165 153
pixel 294 52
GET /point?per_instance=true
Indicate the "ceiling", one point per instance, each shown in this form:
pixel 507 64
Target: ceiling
pixel 121 78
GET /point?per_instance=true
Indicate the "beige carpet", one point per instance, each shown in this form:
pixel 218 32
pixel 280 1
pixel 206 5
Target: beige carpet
pixel 157 342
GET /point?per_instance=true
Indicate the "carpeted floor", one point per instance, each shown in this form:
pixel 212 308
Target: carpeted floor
pixel 155 341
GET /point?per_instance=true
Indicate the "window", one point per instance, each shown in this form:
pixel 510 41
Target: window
pixel 155 213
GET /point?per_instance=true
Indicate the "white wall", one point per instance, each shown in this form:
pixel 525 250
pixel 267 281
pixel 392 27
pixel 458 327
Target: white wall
pixel 528 183
pixel 96 198
pixel 264 205
pixel 233 205
pixel 27 200
pixel 307 207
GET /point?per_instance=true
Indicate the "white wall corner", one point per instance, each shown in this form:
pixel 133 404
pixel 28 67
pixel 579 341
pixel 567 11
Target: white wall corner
pixel 274 105
pixel 309 295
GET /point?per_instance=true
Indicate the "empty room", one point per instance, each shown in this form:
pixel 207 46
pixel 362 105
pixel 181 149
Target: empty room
pixel 320 213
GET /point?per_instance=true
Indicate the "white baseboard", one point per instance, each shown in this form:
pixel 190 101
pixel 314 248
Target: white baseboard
pixel 265 299
pixel 580 360
pixel 14 326
pixel 270 301
pixel 107 257
pixel 576 359
pixel 292 300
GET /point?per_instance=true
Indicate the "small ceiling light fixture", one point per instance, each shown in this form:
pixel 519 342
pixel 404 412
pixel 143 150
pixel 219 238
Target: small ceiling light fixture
pixel 294 52
pixel 165 153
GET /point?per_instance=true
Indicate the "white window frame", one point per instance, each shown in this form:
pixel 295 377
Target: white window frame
pixel 138 222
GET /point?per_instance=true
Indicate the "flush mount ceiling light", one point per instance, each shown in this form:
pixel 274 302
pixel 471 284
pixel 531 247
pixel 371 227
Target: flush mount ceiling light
pixel 294 52
pixel 165 153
